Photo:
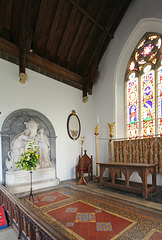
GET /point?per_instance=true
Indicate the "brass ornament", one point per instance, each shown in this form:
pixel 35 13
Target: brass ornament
pixel 73 112
pixel 111 126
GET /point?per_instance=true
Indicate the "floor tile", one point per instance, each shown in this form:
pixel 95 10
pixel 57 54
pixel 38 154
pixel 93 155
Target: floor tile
pixel 89 216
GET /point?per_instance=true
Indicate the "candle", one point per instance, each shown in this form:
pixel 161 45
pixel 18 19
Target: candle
pixel 97 119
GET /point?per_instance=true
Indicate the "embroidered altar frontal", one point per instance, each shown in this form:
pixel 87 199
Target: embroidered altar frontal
pixel 146 150
pixel 81 215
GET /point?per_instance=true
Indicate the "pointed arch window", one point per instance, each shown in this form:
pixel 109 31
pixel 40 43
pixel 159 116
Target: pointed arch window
pixel 143 88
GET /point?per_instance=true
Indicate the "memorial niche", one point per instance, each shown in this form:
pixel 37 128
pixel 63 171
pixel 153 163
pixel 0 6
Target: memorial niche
pixel 18 181
pixel 21 142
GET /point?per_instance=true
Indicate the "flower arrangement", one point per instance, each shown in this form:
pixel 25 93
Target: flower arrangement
pixel 30 158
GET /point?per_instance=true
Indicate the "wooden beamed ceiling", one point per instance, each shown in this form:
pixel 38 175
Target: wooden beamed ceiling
pixel 64 39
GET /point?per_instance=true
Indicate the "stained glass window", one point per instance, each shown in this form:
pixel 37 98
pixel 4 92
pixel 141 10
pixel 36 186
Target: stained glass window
pixel 144 88
pixel 148 102
pixel 160 100
pixel 132 106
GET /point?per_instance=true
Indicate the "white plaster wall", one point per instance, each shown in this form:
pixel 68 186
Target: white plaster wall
pixel 56 101
pixel 108 93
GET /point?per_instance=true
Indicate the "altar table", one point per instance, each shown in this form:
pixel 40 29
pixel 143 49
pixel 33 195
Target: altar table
pixel 127 169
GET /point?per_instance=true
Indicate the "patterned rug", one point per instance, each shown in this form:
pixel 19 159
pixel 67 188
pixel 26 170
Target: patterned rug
pixel 80 215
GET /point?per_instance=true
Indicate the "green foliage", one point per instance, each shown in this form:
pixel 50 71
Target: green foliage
pixel 30 158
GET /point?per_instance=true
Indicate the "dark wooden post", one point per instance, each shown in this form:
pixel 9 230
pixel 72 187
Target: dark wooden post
pixel 19 221
pixel 91 77
pixel 25 36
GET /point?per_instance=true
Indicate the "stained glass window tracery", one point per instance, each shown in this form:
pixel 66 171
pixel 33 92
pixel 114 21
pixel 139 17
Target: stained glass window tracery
pixel 147 50
pixel 144 88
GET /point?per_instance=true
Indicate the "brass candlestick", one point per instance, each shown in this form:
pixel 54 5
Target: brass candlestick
pixel 96 133
pixel 111 126
pixel 82 179
pixel 81 141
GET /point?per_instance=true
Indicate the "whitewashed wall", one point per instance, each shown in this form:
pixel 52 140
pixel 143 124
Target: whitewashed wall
pixel 56 101
pixel 108 93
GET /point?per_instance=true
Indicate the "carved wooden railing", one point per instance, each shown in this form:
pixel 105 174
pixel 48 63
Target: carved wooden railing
pixel 25 223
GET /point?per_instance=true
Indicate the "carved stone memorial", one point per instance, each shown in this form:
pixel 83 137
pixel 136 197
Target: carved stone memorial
pixel 34 130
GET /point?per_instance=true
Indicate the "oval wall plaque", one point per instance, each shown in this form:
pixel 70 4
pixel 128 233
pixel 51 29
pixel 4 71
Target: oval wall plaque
pixel 73 126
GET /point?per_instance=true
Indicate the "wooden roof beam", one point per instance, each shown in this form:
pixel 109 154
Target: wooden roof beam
pixel 92 71
pixel 39 23
pixel 55 24
pixel 32 58
pixel 94 57
pixel 86 14
pixel 60 51
pixel 25 36
pixel 87 42
pixel 8 15
pixel 113 28
pixel 78 34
